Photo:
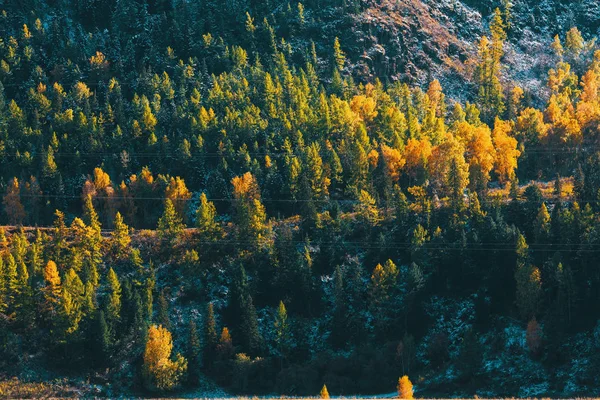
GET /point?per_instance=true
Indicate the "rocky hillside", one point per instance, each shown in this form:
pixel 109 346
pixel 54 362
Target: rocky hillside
pixel 415 40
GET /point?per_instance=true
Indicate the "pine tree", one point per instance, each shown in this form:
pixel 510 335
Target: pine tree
pixel 339 323
pixel 457 182
pixel 250 212
pixel 558 188
pixel 193 352
pixel 339 58
pixel 113 305
pixel 250 335
pixel 23 296
pixel 558 47
pixel 60 231
pixel 3 287
pixel 528 278
pixel 574 42
pixel 52 289
pixel 147 297
pixel 100 340
pixel 208 228
pixel 162 313
pixel 491 96
pixel 11 283
pixel 72 301
pixel 542 225
pixel 210 335
pixel 90 217
pixel 282 330
pixel 507 13
pixel 170 225
pixel 120 237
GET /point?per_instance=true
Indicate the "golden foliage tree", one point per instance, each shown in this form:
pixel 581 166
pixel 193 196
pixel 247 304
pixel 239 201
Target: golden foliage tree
pixel 52 288
pixel 159 370
pixel 405 388
pixel 506 151
pixel 324 393
pixel 393 162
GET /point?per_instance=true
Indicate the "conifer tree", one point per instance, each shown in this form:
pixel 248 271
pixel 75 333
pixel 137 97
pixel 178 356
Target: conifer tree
pixel 491 96
pixel 120 237
pixel 339 322
pixel 170 225
pixel 210 335
pixel 339 57
pixel 3 287
pixel 208 228
pixel 542 225
pixel 73 293
pixel 90 217
pixel 52 288
pixel 23 296
pixel 100 339
pixel 162 312
pixel 528 278
pixel 11 283
pixel 193 352
pixel 282 330
pixel 242 313
pixel 113 304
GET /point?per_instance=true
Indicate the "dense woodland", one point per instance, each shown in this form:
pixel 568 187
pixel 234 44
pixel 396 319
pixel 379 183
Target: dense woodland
pixel 197 191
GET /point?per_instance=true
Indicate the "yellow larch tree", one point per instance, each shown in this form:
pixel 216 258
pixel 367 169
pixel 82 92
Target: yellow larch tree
pixel 160 372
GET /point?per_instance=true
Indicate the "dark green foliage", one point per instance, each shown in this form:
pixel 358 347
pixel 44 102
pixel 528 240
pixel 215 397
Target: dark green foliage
pixel 194 352
pixel 162 310
pixel 328 215
pixel 210 336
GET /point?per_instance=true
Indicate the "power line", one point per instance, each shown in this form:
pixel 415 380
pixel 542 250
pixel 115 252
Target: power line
pixel 268 200
pixel 365 245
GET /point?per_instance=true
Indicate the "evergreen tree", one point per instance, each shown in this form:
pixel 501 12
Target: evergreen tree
pixel 339 57
pixel 282 331
pixel 210 336
pixel 120 237
pixel 170 225
pixel 52 289
pixel 162 312
pixel 101 341
pixel 193 352
pixel 208 228
pixel 90 217
pixel 542 225
pixel 528 278
pixel 113 301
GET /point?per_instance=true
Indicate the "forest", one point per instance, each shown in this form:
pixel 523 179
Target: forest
pixel 209 197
